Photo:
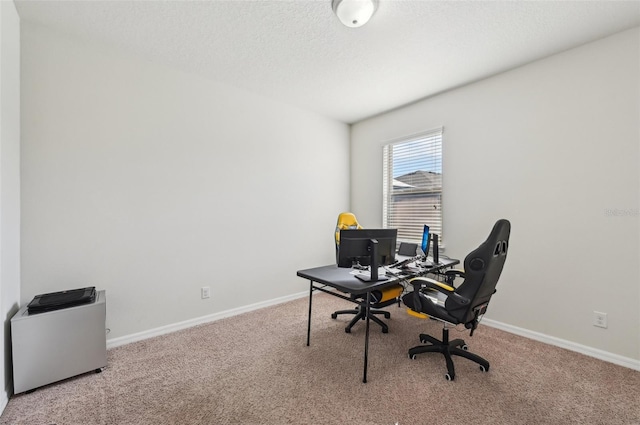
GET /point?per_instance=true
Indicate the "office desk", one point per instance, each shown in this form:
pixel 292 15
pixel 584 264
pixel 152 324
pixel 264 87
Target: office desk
pixel 342 279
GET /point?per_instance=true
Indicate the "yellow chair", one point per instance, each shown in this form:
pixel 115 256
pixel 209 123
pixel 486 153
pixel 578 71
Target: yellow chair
pixel 380 299
pixel 346 220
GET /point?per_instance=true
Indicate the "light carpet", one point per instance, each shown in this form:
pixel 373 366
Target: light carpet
pixel 256 369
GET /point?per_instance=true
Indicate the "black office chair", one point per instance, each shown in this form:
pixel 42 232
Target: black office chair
pixel 380 299
pixel 464 304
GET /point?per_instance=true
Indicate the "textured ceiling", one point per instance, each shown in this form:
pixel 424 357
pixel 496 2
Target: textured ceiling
pixel 298 52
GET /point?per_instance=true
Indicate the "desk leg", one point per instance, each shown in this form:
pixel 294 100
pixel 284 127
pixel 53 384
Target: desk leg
pixel 366 339
pixel 309 321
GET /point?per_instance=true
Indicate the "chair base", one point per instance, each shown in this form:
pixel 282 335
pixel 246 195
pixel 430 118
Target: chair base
pixel 457 347
pixel 360 315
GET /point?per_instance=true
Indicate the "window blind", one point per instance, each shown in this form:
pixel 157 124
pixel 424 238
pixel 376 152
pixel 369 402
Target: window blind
pixel 412 185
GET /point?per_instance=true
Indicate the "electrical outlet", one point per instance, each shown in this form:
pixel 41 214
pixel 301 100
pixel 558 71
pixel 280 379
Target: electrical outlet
pixel 205 292
pixel 600 319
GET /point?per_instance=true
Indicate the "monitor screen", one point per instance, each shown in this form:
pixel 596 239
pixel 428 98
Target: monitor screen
pixel 355 246
pixel 425 240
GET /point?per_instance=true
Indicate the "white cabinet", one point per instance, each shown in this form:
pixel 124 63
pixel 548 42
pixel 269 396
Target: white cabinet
pixel 55 345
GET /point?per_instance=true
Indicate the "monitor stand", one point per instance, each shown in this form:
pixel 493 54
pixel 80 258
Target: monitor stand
pixel 369 278
pixel 373 276
pixel 436 250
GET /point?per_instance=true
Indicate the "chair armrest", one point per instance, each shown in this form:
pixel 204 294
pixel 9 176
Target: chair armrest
pixel 425 282
pixel 451 275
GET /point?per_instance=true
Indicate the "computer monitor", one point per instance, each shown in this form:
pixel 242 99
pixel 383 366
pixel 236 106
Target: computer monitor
pixel 369 247
pixel 425 241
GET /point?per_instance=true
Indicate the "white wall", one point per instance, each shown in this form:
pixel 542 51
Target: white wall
pixel 552 146
pixel 9 185
pixel 151 183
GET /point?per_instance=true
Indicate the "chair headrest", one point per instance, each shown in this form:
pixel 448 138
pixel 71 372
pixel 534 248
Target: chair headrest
pixel 347 220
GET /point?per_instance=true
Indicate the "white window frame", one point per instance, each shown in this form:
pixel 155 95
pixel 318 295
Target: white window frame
pixel 412 197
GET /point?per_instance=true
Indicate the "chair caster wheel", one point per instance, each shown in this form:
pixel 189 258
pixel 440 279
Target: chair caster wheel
pixel 465 347
pixel 334 316
pixel 484 369
pixel 412 356
pixel 423 341
pixel 347 330
pixel 449 377
pixel 387 315
pixel 385 331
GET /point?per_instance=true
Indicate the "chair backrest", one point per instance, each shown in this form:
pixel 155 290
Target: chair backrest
pixel 346 220
pixel 482 269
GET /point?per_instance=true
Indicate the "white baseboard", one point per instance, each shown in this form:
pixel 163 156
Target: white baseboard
pixel 4 399
pixel 127 339
pixel 572 346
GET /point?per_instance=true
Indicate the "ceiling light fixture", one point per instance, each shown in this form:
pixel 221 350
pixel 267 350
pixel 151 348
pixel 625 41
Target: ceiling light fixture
pixel 354 13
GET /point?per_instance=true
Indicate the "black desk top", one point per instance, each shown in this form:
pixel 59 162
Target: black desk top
pixel 342 279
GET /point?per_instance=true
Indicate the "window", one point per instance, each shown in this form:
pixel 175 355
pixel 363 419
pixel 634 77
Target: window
pixel 412 186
